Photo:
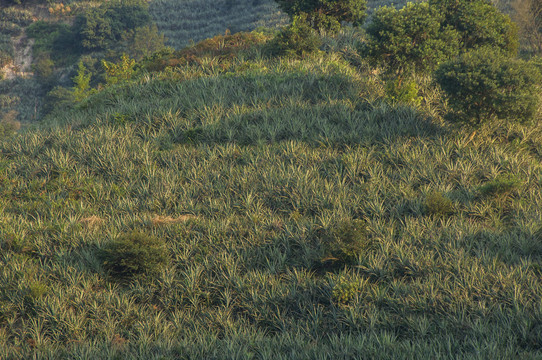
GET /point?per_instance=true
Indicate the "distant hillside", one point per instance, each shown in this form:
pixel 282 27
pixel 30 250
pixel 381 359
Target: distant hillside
pixel 185 20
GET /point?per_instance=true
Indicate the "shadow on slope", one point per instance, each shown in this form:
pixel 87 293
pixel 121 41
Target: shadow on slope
pixel 313 107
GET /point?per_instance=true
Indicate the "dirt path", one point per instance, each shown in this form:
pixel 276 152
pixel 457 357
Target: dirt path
pixel 22 58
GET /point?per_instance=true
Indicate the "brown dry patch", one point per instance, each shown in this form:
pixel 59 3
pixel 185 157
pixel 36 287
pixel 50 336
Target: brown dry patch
pixel 92 222
pixel 159 220
pixel 118 341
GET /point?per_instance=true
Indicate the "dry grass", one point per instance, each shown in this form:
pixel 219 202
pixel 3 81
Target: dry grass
pixel 92 222
pixel 159 220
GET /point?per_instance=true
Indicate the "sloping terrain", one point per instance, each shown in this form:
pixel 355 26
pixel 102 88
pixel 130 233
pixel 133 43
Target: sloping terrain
pixel 302 218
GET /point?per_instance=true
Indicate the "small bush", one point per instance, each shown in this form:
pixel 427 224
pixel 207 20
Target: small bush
pixel 437 204
pixel 133 254
pixel 295 40
pixel 502 185
pixel 36 290
pixel 344 242
pixel 404 92
pixel 346 290
pixel 485 83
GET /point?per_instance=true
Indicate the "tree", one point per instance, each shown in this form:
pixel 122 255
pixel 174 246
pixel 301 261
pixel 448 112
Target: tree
pixel 94 29
pixel 82 83
pixel 99 27
pixel 326 14
pixel 479 24
pixel 486 83
pixel 121 71
pixel 295 40
pixel 143 41
pixel 412 39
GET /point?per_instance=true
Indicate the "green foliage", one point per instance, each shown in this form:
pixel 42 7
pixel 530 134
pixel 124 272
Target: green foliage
pixel 101 27
pixel 60 99
pixel 81 81
pixel 142 41
pixel 326 14
pixel 296 40
pixel 44 69
pixel 438 205
pixel 345 241
pixel 345 290
pixel 484 84
pixel 133 254
pixel 94 29
pixel 21 17
pixel 479 24
pixel 6 50
pixel 9 124
pixel 410 39
pixel 279 150
pixel 56 40
pixel 403 92
pixel 119 72
pixel 36 290
pixel 501 186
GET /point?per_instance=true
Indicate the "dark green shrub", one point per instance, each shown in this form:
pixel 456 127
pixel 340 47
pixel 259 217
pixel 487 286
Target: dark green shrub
pixel 133 254
pixel 44 69
pixel 298 39
pixel 502 185
pixel 345 241
pixel 409 39
pixel 484 83
pixel 437 204
pixel 326 14
pixel 479 24
pixel 59 99
pixel 142 42
pixel 103 26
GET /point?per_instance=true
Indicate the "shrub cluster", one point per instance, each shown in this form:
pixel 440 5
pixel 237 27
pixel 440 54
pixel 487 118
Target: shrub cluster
pixel 485 83
pixel 438 205
pixel 412 39
pixel 99 27
pixel 501 186
pixel 296 40
pixel 326 14
pixel 479 23
pixel 133 254
pixel 343 242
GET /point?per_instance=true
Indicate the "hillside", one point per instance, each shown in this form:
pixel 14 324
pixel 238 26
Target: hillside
pixel 292 194
pixel 261 181
pixel 196 20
